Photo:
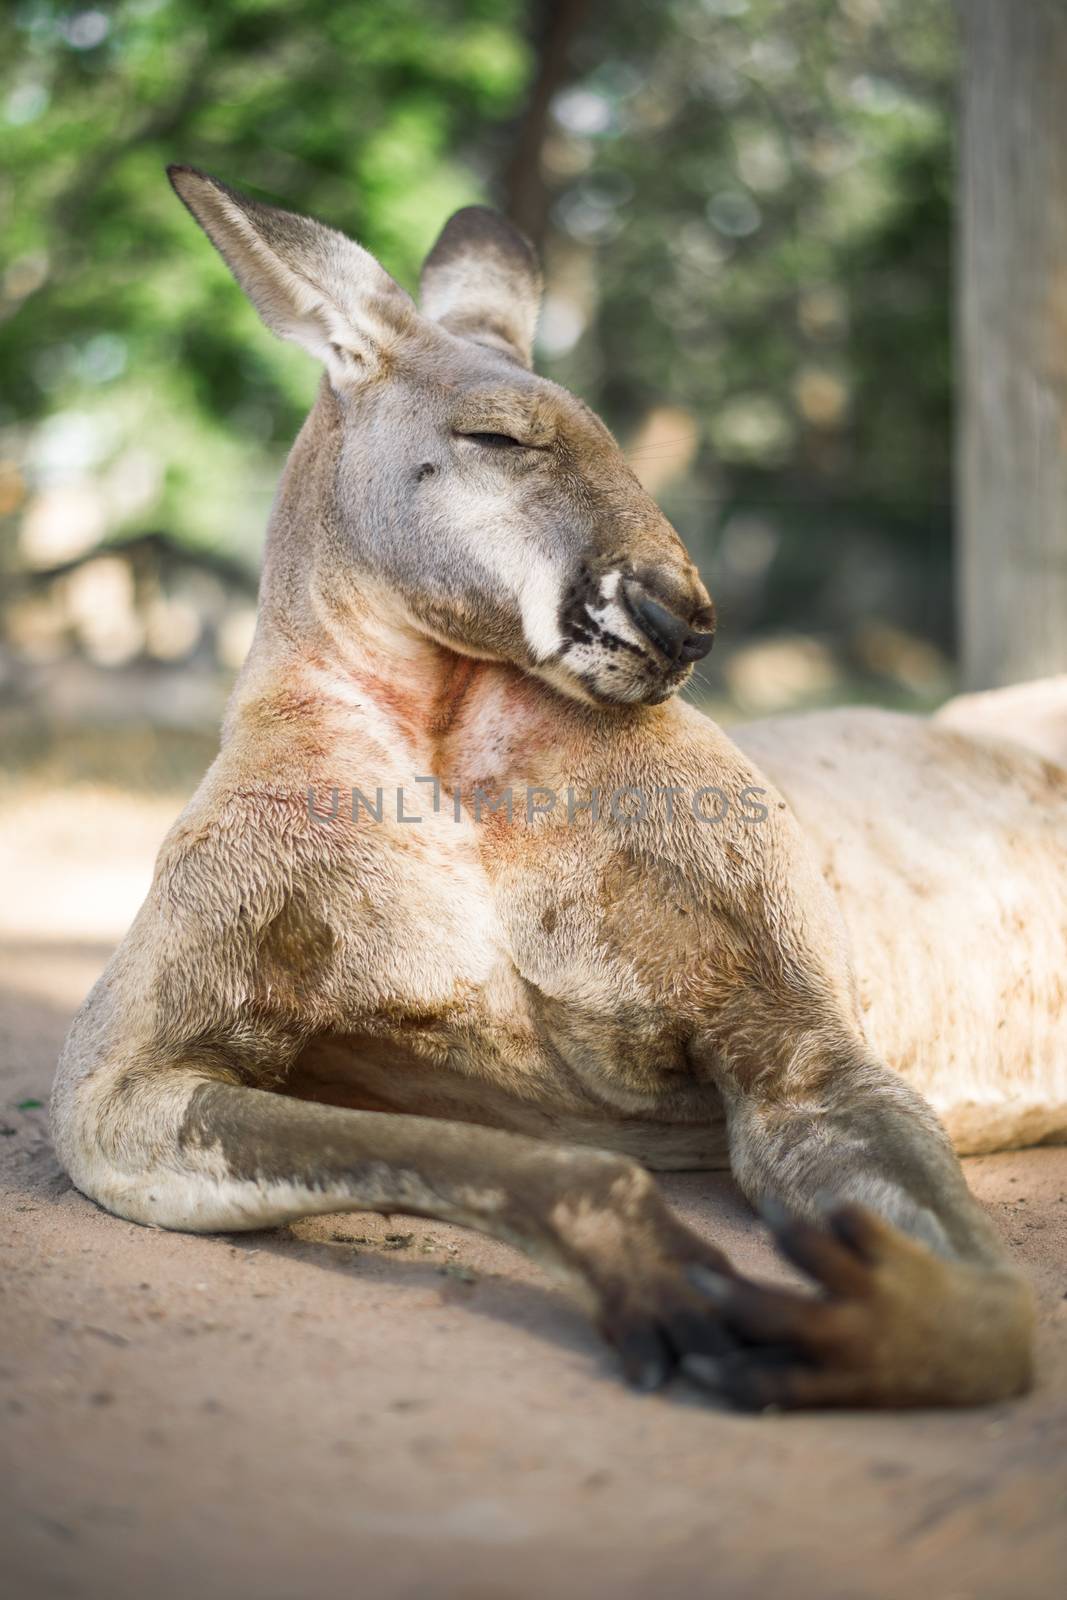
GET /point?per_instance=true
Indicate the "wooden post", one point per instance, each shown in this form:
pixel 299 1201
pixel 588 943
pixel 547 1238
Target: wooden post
pixel 1012 341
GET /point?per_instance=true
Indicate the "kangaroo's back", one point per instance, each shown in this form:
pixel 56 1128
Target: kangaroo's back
pixel 947 851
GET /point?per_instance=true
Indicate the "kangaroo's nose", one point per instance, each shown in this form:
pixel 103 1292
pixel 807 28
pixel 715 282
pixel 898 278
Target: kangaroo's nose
pixel 675 638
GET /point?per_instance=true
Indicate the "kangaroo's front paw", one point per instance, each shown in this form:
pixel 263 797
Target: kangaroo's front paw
pixel 661 1322
pixel 894 1325
pixel 635 1260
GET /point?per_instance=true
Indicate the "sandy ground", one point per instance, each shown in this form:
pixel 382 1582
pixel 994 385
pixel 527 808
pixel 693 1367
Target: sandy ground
pixel 388 1407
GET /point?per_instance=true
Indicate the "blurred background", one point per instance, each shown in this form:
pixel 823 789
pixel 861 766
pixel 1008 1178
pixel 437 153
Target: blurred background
pixel 744 208
pixel 809 260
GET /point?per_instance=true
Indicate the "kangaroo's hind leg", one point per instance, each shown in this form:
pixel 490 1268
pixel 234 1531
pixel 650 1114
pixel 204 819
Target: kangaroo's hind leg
pixel 176 1146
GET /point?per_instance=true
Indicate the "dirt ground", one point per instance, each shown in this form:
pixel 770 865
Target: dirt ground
pixel 389 1407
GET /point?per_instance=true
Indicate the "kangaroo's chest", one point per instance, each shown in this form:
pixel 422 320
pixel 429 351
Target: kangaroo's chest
pixel 502 968
pixel 462 931
pixel 477 967
pixel 493 941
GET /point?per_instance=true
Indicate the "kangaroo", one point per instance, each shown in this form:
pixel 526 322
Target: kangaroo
pixel 473 918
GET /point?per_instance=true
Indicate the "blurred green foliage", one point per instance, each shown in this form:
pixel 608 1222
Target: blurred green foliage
pixel 749 220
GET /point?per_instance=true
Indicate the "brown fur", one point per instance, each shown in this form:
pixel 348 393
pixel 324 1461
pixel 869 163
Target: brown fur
pixel 319 1014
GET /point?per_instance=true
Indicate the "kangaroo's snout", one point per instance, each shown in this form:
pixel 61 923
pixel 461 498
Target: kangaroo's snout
pixel 675 637
pixel 633 633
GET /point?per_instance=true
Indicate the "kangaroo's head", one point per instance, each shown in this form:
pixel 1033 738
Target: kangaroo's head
pixel 480 504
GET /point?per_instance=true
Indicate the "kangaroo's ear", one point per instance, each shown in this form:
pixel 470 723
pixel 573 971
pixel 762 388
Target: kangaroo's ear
pixel 308 282
pixel 481 280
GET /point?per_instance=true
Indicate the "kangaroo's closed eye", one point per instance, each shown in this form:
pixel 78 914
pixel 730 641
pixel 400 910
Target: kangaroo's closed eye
pixel 495 441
